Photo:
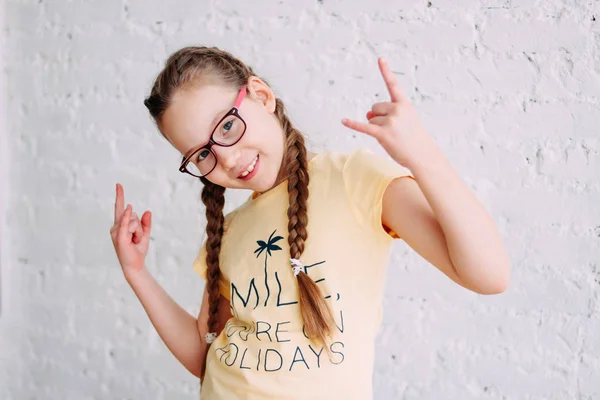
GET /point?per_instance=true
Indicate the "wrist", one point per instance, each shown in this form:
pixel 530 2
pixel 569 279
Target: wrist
pixel 136 276
pixel 428 157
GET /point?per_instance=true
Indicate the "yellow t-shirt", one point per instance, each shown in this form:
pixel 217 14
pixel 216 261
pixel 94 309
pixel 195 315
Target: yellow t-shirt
pixel 262 352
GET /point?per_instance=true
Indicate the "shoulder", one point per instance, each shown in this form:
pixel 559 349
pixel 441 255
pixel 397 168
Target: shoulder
pixel 361 154
pixel 357 167
pixel 362 162
pixel 336 159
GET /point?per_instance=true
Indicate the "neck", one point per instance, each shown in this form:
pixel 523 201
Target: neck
pixel 281 177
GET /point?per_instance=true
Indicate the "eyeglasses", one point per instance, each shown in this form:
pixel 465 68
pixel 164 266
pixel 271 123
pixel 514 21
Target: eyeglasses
pixel 228 132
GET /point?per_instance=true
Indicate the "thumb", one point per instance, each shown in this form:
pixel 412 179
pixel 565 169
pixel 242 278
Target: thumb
pixel 147 223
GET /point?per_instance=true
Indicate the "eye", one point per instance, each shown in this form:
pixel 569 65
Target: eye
pixel 202 155
pixel 227 126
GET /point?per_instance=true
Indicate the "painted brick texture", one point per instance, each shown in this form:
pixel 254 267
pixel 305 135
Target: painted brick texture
pixel 510 90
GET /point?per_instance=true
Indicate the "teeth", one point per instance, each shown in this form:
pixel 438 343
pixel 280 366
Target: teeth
pixel 250 168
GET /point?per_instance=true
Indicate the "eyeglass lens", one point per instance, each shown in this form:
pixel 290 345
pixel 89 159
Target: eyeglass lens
pixel 227 133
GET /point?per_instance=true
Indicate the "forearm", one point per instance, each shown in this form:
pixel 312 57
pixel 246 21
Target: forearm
pixel 176 327
pixel 474 243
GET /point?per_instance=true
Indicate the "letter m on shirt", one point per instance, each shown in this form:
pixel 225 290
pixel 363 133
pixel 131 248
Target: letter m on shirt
pixel 252 292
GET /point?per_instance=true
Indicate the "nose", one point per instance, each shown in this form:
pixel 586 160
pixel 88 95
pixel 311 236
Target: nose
pixel 227 156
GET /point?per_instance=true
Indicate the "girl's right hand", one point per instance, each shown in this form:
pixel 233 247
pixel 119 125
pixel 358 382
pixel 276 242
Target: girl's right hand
pixel 130 236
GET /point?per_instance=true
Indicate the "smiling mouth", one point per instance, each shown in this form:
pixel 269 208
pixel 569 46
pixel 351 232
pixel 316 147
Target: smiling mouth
pixel 249 169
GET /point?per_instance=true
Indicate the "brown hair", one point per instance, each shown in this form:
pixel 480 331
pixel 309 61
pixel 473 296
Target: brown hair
pixel 191 67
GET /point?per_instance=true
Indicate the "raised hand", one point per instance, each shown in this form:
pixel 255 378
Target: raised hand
pixel 395 123
pixel 130 235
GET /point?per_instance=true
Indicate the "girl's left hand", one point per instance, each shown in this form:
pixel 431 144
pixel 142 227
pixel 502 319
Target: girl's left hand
pixel 395 124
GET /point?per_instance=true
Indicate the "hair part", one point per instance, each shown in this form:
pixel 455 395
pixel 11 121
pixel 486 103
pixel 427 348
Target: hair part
pixel 192 67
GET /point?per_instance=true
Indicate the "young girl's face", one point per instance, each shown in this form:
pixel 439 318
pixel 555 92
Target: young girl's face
pixel 193 114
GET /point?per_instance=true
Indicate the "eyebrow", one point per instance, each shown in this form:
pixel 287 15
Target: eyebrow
pixel 211 127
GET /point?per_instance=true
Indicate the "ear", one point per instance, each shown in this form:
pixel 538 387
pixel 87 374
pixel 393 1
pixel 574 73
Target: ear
pixel 260 91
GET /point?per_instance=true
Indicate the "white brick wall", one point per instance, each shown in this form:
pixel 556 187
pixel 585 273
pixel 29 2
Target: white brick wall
pixel 509 89
pixel 3 166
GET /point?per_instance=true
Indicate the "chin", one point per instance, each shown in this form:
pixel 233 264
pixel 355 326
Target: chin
pixel 264 186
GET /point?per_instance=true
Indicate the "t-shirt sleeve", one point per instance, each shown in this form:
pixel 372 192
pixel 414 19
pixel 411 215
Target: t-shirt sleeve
pixel 366 176
pixel 200 267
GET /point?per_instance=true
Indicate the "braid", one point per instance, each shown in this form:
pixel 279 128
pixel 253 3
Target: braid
pixel 298 194
pixel 316 314
pixel 213 197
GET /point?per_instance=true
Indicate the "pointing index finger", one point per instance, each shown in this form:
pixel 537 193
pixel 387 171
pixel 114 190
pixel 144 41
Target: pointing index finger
pixel 119 203
pixel 391 82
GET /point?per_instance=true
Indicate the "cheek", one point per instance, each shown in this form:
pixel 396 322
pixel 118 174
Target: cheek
pixel 264 133
pixel 215 177
pixel 224 180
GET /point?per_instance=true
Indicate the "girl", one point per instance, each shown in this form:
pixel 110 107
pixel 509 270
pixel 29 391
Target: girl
pixel 295 276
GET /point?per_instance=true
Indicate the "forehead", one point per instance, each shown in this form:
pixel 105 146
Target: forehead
pixel 188 121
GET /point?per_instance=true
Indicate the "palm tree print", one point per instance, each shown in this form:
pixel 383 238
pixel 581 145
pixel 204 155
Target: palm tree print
pixel 269 246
